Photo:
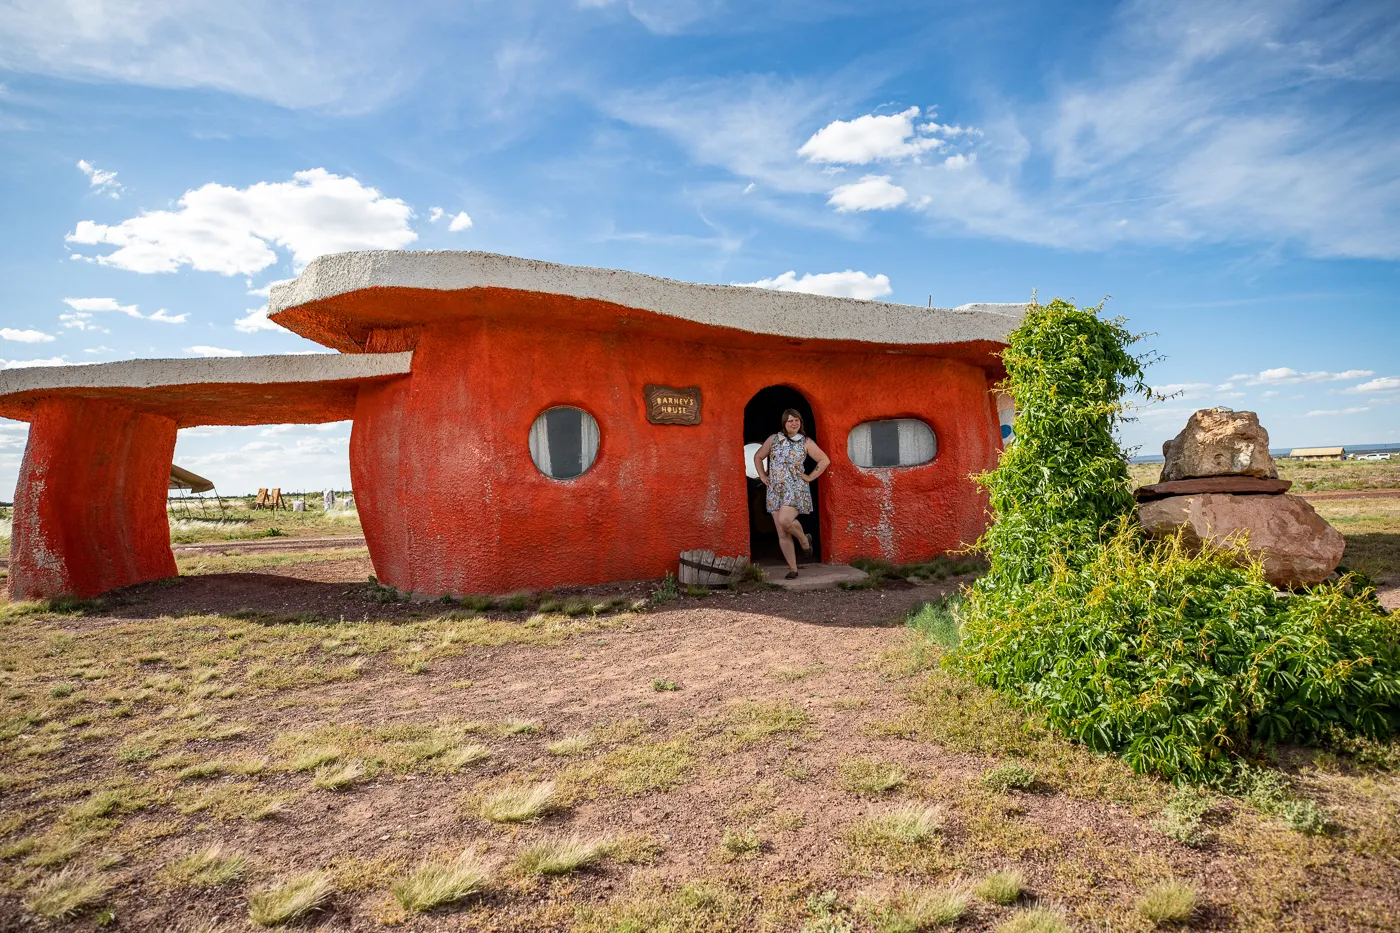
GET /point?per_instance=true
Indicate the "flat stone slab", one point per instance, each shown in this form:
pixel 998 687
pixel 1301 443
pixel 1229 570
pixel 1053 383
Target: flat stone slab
pixel 1236 485
pixel 813 576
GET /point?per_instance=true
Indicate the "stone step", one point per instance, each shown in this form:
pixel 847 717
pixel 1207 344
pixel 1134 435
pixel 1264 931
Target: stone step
pixel 812 576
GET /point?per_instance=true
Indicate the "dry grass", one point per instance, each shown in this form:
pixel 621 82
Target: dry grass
pixel 562 856
pixel 208 867
pixel 910 823
pixel 66 894
pixel 1168 902
pixel 439 883
pixel 313 758
pixel 753 721
pixel 1035 920
pixel 519 804
pixel 291 900
pixel 872 778
pixel 337 777
pixel 916 911
pixel 571 746
pixel 464 756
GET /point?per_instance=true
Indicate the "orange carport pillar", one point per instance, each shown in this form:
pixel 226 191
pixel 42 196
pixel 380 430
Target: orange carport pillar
pixel 90 503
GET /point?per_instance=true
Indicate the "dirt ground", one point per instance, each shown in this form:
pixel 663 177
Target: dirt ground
pixel 732 750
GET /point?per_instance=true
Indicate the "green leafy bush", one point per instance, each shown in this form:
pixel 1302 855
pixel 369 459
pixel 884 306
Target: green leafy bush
pixel 1181 663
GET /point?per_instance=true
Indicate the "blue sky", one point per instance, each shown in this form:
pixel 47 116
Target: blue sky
pixel 1228 173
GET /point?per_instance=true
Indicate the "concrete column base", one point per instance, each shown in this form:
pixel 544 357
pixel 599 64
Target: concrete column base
pixel 90 502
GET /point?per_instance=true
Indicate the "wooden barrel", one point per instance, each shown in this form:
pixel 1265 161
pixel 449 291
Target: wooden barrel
pixel 705 569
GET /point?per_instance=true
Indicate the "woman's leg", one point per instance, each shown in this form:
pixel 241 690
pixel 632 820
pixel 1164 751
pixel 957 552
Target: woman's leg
pixel 787 520
pixel 781 520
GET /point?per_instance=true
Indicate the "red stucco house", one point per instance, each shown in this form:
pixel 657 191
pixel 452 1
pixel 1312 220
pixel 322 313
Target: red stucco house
pixel 526 424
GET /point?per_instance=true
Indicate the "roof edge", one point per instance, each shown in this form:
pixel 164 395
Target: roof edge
pixel 757 310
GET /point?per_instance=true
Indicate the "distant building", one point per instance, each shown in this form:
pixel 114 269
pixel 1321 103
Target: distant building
pixel 1318 453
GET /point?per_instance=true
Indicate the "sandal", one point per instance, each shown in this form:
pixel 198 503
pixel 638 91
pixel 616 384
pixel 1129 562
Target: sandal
pixel 807 548
pixel 791 575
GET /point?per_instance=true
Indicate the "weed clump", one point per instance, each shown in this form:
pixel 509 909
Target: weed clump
pixel 736 845
pixel 1009 776
pixel 1169 902
pixel 1001 887
pixel 1182 662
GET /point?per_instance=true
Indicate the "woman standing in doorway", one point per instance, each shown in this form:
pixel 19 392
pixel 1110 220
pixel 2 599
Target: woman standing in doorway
pixel 789 492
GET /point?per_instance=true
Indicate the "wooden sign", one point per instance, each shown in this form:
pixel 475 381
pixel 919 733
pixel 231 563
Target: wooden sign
pixel 666 405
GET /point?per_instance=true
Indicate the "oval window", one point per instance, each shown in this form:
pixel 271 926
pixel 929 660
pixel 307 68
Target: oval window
pixel 895 443
pixel 564 442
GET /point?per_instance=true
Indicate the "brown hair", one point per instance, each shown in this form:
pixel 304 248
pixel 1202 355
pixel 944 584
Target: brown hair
pixel 792 413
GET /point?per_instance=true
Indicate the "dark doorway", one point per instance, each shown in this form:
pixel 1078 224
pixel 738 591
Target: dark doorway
pixel 761 421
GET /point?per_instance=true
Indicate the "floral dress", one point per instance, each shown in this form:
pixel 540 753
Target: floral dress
pixel 786 487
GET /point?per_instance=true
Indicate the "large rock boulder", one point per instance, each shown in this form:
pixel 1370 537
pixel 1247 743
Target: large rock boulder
pixel 1219 442
pixel 1298 547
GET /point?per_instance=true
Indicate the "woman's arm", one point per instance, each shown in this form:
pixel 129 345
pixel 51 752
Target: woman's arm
pixel 759 456
pixel 819 455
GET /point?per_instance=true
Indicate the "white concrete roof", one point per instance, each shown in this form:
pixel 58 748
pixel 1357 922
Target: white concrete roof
pixel 253 370
pixel 303 388
pixel 757 310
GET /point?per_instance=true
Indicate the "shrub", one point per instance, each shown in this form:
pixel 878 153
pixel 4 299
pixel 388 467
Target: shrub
pixel 1183 816
pixel 1184 663
pixel 1181 663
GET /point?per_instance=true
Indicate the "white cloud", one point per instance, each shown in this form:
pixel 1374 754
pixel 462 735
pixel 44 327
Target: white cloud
pixel 25 336
pixel 873 138
pixel 201 350
pixel 80 320
pixel 1283 375
pixel 871 193
pixel 83 308
pixel 99 350
pixel 291 55
pixel 254 320
pixel 102 304
pixel 848 284
pixel 1190 123
pixel 25 364
pixel 434 214
pixel 459 222
pixel 233 230
pixel 99 179
pixel 1383 384
pixel 1322 413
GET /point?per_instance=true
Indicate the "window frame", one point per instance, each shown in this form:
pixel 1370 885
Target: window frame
pixel 851 436
pixel 539 431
